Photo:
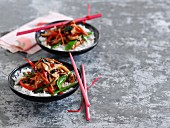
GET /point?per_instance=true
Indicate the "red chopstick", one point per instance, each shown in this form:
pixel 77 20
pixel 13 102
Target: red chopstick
pixel 85 88
pixel 88 13
pixel 80 82
pixel 82 103
pixel 89 17
pixel 78 110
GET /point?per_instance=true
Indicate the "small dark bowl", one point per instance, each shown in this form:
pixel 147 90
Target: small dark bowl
pixel 39 98
pixel 65 53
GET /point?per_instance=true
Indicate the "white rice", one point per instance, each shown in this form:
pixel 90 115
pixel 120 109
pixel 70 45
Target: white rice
pixel 90 42
pixel 19 74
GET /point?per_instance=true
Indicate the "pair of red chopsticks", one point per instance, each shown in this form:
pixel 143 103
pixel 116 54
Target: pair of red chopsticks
pixel 82 19
pixel 83 88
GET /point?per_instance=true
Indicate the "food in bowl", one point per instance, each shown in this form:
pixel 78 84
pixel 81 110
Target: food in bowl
pixel 46 77
pixel 70 37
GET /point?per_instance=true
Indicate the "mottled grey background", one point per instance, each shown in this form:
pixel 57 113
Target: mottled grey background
pixel 132 57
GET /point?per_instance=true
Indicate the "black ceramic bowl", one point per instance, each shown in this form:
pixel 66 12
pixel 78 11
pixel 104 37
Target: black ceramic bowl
pixel 40 98
pixel 65 53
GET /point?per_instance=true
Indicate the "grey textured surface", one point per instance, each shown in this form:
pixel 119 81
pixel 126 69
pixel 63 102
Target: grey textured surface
pixel 132 57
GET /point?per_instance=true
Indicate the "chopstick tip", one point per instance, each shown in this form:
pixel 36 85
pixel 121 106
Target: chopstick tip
pixel 88 119
pixel 17 34
pixel 70 54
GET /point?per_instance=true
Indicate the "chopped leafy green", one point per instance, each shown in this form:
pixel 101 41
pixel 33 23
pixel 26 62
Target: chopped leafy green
pixel 86 37
pixel 61 80
pixel 89 33
pixel 65 88
pixel 70 44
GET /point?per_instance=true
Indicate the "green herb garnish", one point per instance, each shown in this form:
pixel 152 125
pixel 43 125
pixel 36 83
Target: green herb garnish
pixel 70 44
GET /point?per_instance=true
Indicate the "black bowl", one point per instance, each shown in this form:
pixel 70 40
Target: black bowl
pixel 40 98
pixel 65 53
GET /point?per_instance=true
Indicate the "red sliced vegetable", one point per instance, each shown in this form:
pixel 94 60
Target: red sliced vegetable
pixel 44 76
pixel 31 63
pixel 49 38
pixel 50 90
pixel 61 37
pixel 52 65
pixel 60 93
pixel 53 33
pixel 79 29
pixel 26 86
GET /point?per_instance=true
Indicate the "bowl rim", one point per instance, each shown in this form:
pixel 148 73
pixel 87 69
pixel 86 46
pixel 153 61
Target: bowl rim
pixel 38 98
pixel 96 40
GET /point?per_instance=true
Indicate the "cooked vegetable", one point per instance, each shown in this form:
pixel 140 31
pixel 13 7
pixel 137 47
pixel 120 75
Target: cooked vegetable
pixel 62 79
pixel 30 62
pixel 65 88
pixel 41 88
pixel 89 33
pixel 29 74
pixel 26 86
pixel 49 75
pixel 70 44
pixel 69 35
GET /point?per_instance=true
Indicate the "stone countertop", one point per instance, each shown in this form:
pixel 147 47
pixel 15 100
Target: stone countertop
pixel 132 58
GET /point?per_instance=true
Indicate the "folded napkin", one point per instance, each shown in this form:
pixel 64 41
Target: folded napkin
pixel 26 43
